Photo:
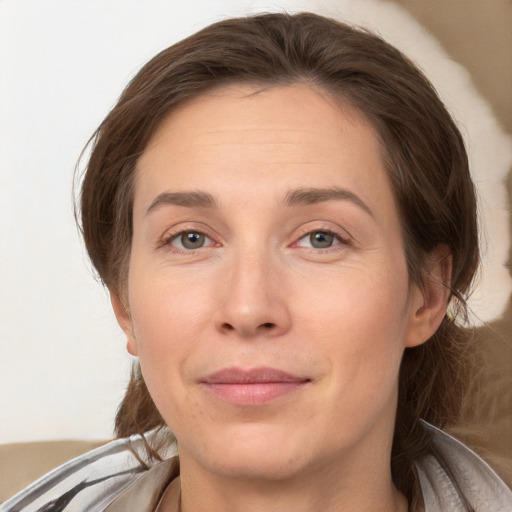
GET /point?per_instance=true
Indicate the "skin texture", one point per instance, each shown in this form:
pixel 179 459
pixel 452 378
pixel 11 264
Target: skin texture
pixel 258 291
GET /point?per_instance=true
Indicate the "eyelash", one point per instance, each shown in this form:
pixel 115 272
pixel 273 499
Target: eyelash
pixel 168 239
pixel 340 240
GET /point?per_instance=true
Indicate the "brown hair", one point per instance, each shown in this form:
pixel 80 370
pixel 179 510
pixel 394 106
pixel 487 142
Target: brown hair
pixel 422 148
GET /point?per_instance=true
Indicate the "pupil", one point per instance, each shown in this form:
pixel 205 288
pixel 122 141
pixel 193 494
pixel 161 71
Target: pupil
pixel 321 240
pixel 192 240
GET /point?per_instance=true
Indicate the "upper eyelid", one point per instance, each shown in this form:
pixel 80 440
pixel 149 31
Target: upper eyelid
pixel 307 228
pixel 333 232
pixel 327 231
pixel 340 241
pixel 187 227
pixel 178 235
pixel 165 241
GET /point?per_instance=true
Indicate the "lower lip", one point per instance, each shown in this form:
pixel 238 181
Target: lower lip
pixel 257 393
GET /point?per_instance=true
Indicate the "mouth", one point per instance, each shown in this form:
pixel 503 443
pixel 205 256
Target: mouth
pixel 256 386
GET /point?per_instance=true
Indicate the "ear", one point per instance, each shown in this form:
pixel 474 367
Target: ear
pixel 124 320
pixel 430 302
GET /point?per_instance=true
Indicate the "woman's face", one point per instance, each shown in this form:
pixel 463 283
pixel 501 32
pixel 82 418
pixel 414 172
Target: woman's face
pixel 269 300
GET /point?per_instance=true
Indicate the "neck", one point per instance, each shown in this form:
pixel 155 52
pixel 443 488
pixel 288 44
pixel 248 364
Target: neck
pixel 325 489
pixel 351 480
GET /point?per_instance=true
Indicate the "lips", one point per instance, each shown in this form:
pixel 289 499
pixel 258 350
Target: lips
pixel 252 387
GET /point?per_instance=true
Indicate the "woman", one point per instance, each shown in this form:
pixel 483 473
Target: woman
pixel 282 210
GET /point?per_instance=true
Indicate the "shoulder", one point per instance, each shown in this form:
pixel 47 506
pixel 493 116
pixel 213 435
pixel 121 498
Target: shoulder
pixel 454 478
pixel 90 482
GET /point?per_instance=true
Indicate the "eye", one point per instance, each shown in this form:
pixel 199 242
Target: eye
pixel 319 240
pixel 190 240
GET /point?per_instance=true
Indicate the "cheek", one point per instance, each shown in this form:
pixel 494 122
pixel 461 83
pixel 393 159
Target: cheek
pixel 360 303
pixel 166 320
pixel 166 306
pixel 359 325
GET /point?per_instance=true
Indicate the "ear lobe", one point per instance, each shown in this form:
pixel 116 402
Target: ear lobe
pixel 124 320
pixel 429 304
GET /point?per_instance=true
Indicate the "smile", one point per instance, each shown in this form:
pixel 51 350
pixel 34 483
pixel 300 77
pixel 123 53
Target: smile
pixel 252 387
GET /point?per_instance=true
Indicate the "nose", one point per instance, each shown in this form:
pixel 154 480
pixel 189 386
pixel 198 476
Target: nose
pixel 252 300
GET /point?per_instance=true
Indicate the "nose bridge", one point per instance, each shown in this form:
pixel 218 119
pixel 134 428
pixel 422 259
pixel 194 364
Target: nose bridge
pixel 252 267
pixel 252 301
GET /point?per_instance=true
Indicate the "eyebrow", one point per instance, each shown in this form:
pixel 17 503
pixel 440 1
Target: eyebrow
pixel 306 196
pixel 296 197
pixel 191 199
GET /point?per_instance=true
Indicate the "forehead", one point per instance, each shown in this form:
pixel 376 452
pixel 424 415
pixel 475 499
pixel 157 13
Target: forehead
pixel 253 106
pixel 247 134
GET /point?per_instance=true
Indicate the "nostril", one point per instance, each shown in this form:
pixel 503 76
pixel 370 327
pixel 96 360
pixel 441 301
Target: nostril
pixel 248 330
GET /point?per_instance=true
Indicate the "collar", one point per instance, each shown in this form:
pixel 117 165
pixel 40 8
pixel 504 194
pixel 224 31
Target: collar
pixel 452 477
pixel 145 493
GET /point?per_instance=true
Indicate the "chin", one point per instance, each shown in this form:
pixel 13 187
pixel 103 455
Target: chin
pixel 241 465
pixel 256 452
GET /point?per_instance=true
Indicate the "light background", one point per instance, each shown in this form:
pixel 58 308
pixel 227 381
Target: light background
pixel 63 63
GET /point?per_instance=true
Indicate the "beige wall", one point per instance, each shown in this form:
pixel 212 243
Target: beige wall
pixel 478 35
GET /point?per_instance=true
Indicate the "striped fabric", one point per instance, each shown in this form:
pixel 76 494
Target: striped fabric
pixel 89 482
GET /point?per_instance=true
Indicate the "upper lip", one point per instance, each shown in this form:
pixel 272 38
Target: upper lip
pixel 251 376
